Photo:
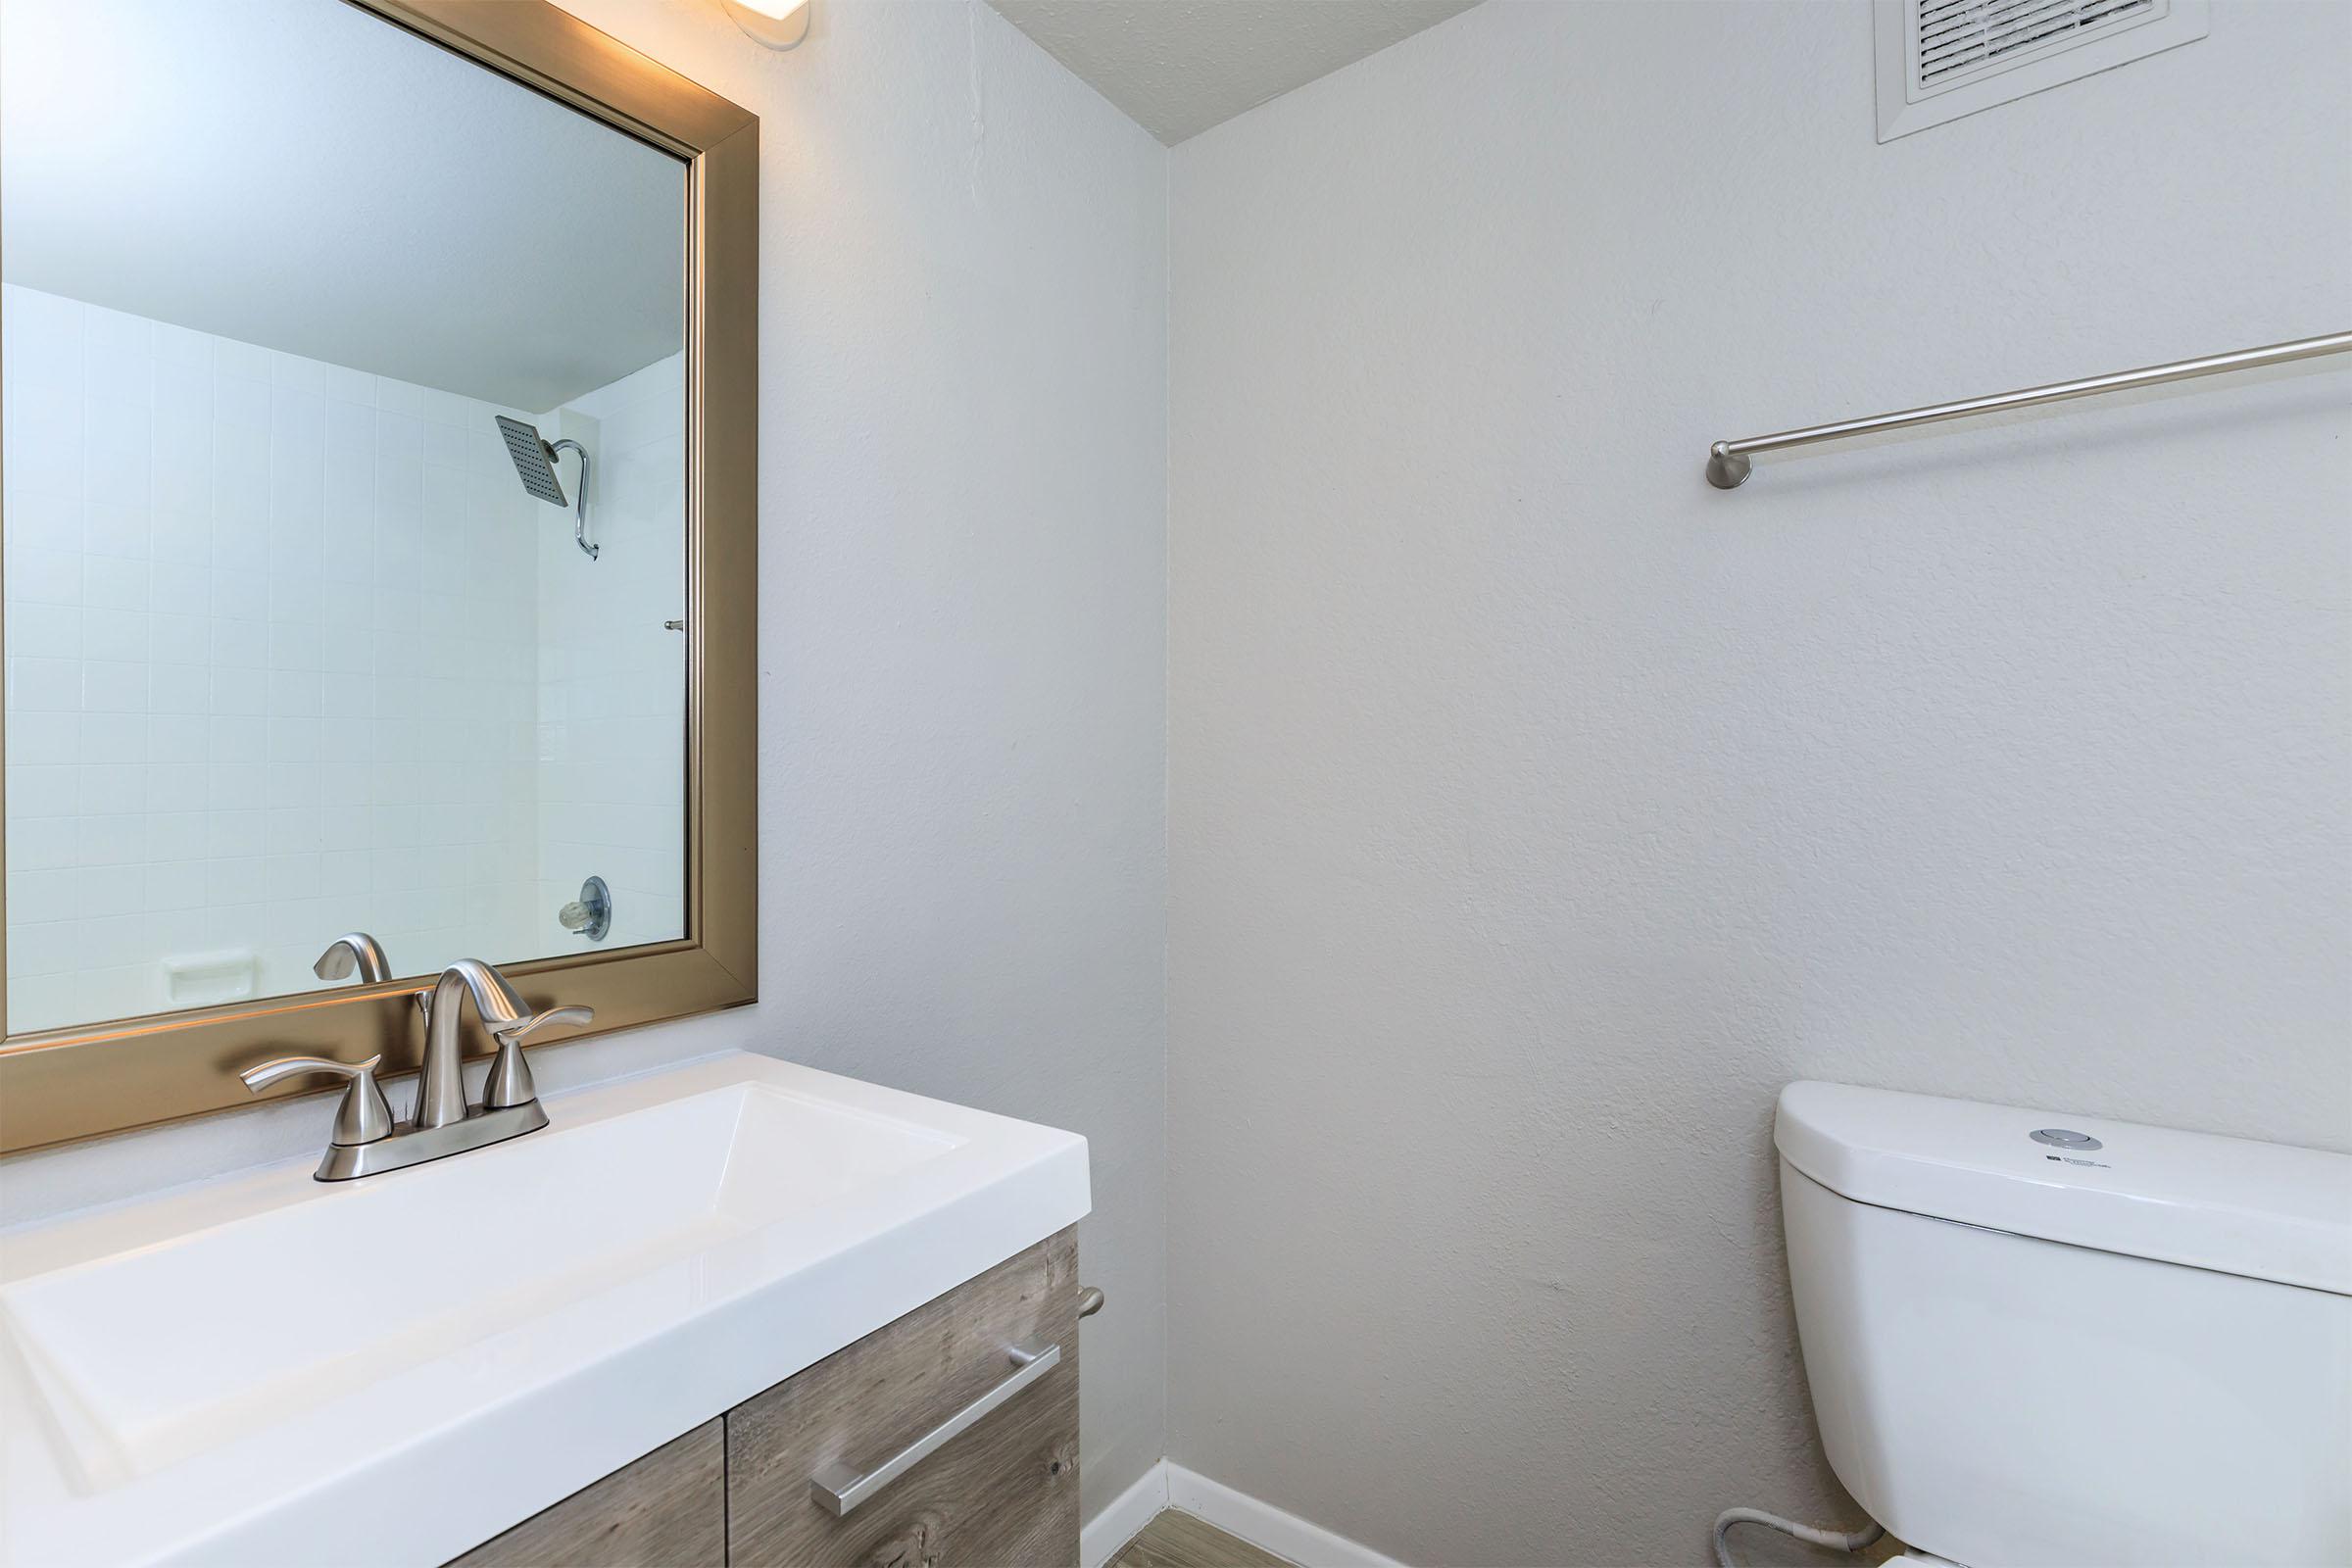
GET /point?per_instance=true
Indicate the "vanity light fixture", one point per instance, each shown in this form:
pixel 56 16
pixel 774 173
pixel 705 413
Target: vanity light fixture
pixel 777 24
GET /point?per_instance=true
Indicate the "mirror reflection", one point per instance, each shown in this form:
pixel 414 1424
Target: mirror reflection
pixel 344 487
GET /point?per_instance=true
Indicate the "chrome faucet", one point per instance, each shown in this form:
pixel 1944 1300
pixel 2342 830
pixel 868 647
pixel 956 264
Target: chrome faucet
pixel 354 950
pixel 441 1089
pixel 365 1139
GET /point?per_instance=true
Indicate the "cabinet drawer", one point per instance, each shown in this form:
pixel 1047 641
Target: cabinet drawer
pixel 666 1510
pixel 1003 1493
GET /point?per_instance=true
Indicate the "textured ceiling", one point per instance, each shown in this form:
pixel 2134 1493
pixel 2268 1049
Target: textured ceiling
pixel 1178 66
pixel 309 178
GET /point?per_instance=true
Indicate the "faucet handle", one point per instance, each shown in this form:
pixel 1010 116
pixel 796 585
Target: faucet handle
pixel 510 1081
pixel 524 1028
pixel 364 1116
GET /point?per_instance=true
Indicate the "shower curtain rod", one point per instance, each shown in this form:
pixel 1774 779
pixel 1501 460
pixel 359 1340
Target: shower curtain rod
pixel 1727 461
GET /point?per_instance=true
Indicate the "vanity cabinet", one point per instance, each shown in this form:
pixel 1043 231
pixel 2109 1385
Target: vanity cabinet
pixel 737 1491
pixel 1006 1490
pixel 668 1507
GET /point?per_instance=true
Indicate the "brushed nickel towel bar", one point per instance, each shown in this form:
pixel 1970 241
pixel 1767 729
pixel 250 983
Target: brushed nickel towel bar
pixel 1727 461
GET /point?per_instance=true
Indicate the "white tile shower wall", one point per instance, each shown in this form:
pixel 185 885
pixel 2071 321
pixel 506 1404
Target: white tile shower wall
pixel 612 674
pixel 270 665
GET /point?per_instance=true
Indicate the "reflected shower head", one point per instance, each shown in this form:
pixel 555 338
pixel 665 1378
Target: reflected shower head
pixel 534 459
pixel 535 464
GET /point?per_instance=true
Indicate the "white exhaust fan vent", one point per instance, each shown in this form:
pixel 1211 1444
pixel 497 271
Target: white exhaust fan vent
pixel 1942 59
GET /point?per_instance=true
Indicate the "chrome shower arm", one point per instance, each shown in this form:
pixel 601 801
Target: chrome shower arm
pixel 579 498
pixel 534 462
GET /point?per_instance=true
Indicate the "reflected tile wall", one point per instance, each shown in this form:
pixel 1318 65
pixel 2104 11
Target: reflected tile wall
pixel 612 676
pixel 271 664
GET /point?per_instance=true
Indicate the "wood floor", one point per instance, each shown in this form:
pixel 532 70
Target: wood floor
pixel 1177 1539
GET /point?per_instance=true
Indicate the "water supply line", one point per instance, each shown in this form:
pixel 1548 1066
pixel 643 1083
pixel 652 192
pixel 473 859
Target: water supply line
pixel 1834 1539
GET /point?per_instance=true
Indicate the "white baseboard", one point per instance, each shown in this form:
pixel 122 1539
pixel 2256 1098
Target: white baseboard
pixel 1266 1527
pixel 1237 1514
pixel 1116 1526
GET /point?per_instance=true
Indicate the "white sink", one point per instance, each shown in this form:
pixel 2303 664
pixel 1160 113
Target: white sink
pixel 267 1368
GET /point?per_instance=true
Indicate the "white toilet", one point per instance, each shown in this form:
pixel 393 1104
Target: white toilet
pixel 2050 1339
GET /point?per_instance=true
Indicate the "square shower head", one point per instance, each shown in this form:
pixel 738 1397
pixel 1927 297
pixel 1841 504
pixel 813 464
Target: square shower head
pixel 533 461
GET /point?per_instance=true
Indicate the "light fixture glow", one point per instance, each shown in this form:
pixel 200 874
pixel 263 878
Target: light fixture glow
pixel 776 23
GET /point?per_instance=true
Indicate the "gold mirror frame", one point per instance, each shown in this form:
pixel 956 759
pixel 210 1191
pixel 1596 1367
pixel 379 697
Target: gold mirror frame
pixel 57 1085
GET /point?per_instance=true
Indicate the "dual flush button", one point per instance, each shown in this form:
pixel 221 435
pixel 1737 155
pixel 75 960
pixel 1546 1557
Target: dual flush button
pixel 2064 1138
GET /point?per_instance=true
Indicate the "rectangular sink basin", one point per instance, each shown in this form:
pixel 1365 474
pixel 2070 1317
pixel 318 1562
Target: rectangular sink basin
pixel 295 1307
pixel 226 1372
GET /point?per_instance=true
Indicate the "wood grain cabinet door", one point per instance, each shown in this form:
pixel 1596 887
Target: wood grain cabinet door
pixel 1002 1495
pixel 666 1510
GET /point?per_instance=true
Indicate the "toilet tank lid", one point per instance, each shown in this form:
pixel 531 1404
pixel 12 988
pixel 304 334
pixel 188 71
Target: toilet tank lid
pixel 2267 1211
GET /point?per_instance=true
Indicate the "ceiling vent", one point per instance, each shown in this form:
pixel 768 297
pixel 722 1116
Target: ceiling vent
pixel 1942 59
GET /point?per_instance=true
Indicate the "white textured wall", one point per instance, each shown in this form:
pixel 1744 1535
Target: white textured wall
pixel 1536 812
pixel 963 620
pixel 243 715
pixel 962 425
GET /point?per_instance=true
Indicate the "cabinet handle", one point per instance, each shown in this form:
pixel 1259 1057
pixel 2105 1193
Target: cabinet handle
pixel 837 1488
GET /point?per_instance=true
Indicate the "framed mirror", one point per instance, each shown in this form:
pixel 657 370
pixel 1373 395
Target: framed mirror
pixel 378 380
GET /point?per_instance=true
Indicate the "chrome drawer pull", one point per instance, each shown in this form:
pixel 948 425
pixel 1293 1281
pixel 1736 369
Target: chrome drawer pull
pixel 837 1488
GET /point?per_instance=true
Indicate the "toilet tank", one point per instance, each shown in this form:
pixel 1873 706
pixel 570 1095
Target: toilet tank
pixel 2127 1345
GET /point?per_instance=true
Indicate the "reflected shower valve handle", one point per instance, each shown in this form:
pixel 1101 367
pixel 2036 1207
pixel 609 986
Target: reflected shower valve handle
pixel 591 914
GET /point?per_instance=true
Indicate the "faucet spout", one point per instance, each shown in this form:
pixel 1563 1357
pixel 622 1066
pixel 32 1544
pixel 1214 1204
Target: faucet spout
pixel 354 950
pixel 441 1090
